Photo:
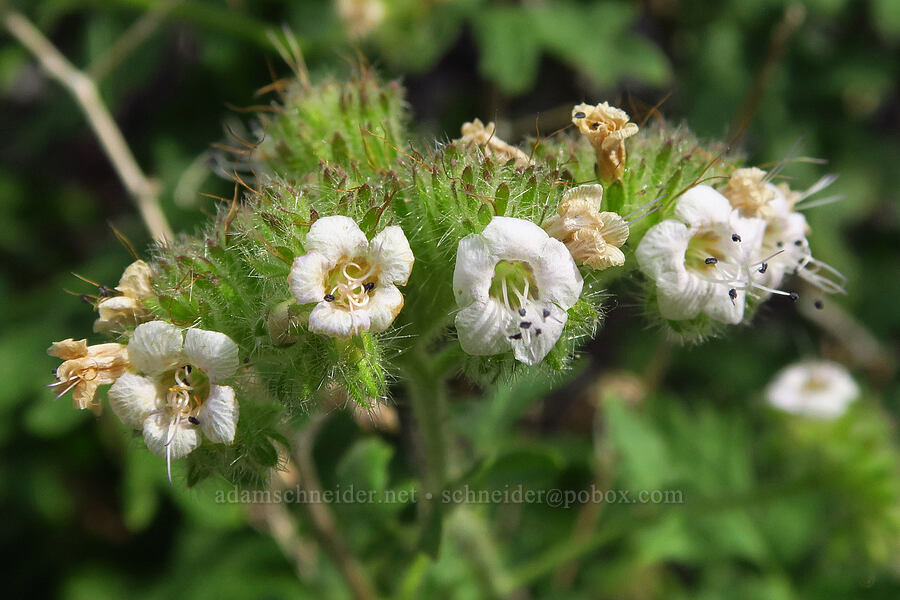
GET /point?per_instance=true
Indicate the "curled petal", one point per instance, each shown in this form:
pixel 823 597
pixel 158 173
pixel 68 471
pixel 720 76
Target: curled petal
pixel 474 270
pixel 702 206
pixel 681 295
pixel 308 275
pixel 68 349
pixel 515 239
pixel 483 328
pixel 557 275
pixel 390 250
pixel 132 398
pixel 155 347
pixel 182 437
pixel 219 415
pixel 384 305
pixel 211 351
pixel 539 338
pixel 663 247
pixel 336 237
pixel 336 322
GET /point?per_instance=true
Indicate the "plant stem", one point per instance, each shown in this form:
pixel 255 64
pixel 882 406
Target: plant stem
pixel 322 520
pixel 84 91
pixel 427 394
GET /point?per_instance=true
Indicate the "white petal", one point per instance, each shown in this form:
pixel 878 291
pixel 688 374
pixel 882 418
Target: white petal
pixel 592 192
pixel 542 334
pixel 663 248
pixel 384 305
pixel 132 398
pixel 308 275
pixel 336 237
pixel 835 389
pixel 184 440
pixel 211 351
pixel 474 270
pixel 721 307
pixel 483 328
pixel 557 275
pixel 327 319
pixel 681 295
pixel 702 206
pixel 390 250
pixel 515 239
pixel 155 347
pixel 751 232
pixel 219 415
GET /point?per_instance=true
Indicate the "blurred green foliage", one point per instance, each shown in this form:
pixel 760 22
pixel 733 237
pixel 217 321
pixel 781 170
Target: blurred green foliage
pixel 773 508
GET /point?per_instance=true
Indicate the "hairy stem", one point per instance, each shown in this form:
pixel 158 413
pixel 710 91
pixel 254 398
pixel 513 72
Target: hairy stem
pixel 322 520
pixel 84 91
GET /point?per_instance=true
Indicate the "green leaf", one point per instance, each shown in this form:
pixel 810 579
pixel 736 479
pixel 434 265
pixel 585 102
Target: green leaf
pixel 509 50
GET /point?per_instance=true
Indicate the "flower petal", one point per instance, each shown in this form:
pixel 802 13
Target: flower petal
pixel 328 319
pixel 132 398
pixel 702 206
pixel 390 249
pixel 211 351
pixel 722 307
pixel 219 415
pixel 184 439
pixel 541 335
pixel 135 281
pixel 68 349
pixel 483 328
pixel 663 248
pixel 336 237
pixel 515 239
pixel 308 275
pixel 474 270
pixel 556 274
pixel 384 305
pixel 117 312
pixel 155 347
pixel 681 295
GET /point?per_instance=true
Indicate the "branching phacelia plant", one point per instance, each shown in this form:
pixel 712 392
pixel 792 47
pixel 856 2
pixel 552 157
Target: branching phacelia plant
pixel 358 262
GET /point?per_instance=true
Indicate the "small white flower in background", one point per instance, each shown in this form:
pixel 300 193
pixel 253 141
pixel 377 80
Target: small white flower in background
pixel 820 389
pixel 179 395
pixel 702 260
pixel 592 237
pixel 127 309
pixel 352 280
pixel 606 128
pixel 361 17
pixel 784 241
pixel 476 133
pixel 514 284
pixel 85 368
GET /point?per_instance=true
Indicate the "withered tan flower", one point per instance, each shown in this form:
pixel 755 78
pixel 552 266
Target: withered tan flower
pixel 128 309
pixel 593 237
pixel 607 128
pixel 476 133
pixel 85 368
pixel 748 191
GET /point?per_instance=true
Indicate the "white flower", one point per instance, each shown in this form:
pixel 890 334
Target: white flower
pixel 180 393
pixel 702 260
pixel 514 284
pixel 607 128
pixel 820 389
pixel 784 241
pixel 352 280
pixel 127 309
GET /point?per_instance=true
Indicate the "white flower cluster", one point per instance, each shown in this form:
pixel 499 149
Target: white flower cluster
pixel 723 247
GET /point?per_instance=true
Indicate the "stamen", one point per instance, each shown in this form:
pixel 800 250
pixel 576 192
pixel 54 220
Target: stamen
pixel 711 260
pixel 819 304
pixel 525 324
pixel 735 237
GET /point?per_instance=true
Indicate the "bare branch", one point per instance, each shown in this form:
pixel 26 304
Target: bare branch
pixel 144 191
